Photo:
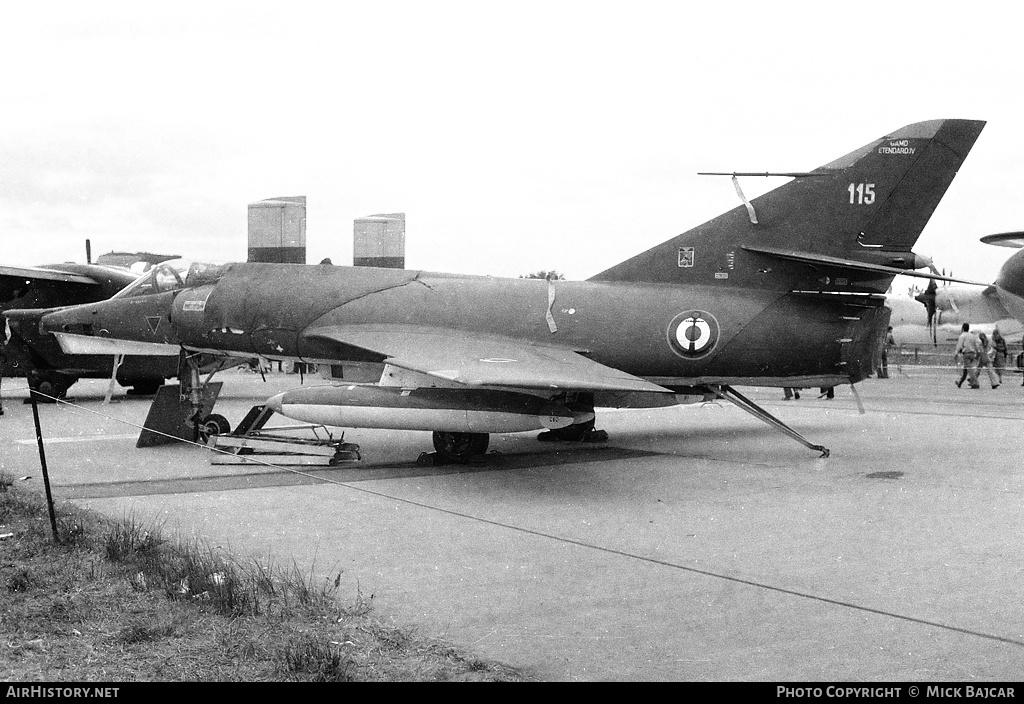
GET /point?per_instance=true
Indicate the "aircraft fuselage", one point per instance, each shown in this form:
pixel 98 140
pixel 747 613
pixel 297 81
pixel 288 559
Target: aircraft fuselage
pixel 673 335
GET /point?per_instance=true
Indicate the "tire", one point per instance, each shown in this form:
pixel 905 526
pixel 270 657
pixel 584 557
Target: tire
pixel 459 447
pixel 143 387
pixel 213 424
pixel 49 385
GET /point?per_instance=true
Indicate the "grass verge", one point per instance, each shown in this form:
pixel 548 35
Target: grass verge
pixel 119 601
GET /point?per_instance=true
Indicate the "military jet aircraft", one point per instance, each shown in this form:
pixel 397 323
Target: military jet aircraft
pixel 785 290
pixel 38 356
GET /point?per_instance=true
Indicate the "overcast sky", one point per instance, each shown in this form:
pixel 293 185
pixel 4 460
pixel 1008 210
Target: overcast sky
pixel 515 136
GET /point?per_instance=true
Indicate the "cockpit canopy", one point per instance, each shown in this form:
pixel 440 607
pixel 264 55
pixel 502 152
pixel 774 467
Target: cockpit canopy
pixel 173 275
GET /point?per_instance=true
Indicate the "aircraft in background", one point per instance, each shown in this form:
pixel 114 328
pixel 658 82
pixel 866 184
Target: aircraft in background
pixel 37 355
pixel 786 290
pixel 935 315
pixel 1010 281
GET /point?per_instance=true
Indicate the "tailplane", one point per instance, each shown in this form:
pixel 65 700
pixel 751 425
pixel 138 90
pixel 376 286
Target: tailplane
pixel 852 221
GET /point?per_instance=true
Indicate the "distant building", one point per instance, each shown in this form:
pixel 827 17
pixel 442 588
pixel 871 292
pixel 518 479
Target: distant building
pixel 379 240
pixel 277 230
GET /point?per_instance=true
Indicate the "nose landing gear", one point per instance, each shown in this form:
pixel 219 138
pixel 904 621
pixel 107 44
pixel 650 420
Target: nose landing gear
pixel 213 424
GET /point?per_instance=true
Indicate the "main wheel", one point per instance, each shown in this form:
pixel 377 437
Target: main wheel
pixel 213 424
pixel 142 387
pixel 50 385
pixel 459 447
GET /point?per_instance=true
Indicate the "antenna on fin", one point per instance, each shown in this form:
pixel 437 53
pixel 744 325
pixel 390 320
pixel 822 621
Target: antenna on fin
pixel 787 174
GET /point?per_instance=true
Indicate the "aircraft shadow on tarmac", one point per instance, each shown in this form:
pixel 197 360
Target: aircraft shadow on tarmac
pixel 697 441
pixel 492 462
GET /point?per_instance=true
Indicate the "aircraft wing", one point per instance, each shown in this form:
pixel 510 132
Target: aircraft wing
pixel 19 275
pixel 484 360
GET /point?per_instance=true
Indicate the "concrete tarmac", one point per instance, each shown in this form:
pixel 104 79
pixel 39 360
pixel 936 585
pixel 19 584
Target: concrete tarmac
pixel 696 544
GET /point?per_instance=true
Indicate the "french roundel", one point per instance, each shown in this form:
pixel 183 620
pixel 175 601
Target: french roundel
pixel 693 334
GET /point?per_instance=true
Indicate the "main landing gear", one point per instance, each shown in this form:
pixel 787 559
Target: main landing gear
pixel 464 448
pixel 455 448
pixel 50 386
pixel 581 403
pixel 142 387
pixel 578 432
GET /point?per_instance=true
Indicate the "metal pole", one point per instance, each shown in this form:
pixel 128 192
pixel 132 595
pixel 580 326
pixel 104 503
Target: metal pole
pixel 3 364
pixel 42 461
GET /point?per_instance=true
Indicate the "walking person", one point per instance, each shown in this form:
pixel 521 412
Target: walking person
pixel 1001 353
pixel 890 342
pixel 3 364
pixel 985 355
pixel 5 340
pixel 1020 362
pixel 967 351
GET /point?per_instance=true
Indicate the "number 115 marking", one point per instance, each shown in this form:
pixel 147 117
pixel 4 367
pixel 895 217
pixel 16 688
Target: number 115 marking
pixel 861 193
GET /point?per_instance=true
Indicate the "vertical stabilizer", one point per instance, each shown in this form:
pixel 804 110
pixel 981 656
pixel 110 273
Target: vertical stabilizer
pixel 867 208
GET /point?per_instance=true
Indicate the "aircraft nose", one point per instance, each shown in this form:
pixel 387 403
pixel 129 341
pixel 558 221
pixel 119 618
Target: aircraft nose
pixel 1011 275
pixel 1010 285
pixel 78 319
pixel 20 314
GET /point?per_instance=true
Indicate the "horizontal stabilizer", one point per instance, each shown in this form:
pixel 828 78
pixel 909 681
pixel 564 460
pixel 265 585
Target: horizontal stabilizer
pixel 787 174
pixel 813 258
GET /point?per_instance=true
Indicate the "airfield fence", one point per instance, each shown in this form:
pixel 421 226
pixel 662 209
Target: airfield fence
pixel 939 358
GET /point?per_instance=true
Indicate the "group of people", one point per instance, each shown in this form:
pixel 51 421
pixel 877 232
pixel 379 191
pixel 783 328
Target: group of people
pixel 976 352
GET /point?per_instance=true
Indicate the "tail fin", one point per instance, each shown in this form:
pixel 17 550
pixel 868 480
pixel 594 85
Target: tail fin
pixel 854 219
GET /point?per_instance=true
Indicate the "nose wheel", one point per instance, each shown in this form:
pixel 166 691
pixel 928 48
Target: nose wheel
pixel 213 424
